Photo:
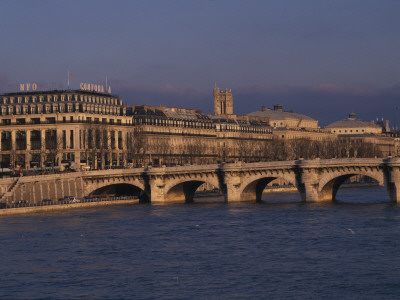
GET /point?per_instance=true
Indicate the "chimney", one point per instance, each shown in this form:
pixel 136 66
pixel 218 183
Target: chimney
pixel 278 107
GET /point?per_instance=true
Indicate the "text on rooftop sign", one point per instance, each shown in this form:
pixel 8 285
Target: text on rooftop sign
pixel 95 88
pixel 26 87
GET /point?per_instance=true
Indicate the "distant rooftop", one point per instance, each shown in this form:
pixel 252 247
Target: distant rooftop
pixel 278 113
pixel 351 121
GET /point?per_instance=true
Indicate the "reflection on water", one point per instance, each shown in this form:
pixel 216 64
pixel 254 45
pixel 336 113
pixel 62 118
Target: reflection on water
pixel 291 197
pixel 350 195
pixel 366 195
pixel 275 250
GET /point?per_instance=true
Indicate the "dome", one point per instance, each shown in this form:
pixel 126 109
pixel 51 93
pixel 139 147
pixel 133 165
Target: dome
pixel 352 122
pixel 278 113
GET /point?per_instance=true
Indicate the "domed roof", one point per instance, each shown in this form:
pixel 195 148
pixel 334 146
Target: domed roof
pixel 278 113
pixel 351 121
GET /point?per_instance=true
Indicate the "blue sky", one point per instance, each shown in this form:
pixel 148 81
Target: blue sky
pixel 320 58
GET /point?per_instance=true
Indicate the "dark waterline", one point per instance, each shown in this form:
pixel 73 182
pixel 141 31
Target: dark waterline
pixel 207 251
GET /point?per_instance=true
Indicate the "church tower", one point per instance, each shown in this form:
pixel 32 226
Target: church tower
pixel 223 102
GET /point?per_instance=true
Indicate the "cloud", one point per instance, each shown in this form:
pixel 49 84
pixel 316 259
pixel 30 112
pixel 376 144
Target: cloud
pixel 326 88
pixel 167 95
pixel 344 89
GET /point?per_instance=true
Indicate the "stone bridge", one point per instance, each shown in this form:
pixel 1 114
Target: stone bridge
pixel 316 180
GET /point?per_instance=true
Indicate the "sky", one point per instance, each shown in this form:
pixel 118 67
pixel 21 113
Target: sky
pixel 321 58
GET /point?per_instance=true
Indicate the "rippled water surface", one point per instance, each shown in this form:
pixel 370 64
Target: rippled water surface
pixel 280 249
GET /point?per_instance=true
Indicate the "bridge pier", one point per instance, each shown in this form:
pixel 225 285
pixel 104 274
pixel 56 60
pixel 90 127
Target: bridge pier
pixel 392 184
pixel 231 195
pixel 308 186
pixel 311 193
pixel 230 189
pixel 157 195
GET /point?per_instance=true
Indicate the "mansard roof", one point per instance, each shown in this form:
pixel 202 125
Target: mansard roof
pixel 59 96
pixel 168 112
pixel 181 114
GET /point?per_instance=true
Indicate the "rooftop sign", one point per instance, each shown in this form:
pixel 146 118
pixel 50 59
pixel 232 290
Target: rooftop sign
pixel 95 88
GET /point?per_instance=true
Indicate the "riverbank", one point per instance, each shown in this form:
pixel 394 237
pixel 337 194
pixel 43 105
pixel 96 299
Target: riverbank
pixel 35 209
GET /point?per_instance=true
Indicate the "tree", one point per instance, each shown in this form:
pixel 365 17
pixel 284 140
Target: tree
pixel 53 146
pixel 137 145
pixel 97 140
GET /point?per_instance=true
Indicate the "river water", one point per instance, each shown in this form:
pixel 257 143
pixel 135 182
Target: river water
pixel 279 249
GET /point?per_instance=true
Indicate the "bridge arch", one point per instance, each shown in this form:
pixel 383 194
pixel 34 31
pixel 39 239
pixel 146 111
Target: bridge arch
pixel 252 188
pixel 182 190
pixel 330 184
pixel 121 187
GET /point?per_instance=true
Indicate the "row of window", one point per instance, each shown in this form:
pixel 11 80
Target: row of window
pixel 59 107
pixel 203 125
pixel 350 130
pixel 248 129
pixel 55 98
pixel 52 120
pixel 175 123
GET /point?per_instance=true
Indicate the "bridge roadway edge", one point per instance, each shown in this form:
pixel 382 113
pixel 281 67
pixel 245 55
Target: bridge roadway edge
pixel 316 180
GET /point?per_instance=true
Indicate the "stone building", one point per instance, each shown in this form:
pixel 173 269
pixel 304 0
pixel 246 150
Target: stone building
pixel 354 126
pixel 185 136
pixel 290 125
pixel 82 129
pixel 86 129
pixel 62 128
pixel 370 132
pixel 277 118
